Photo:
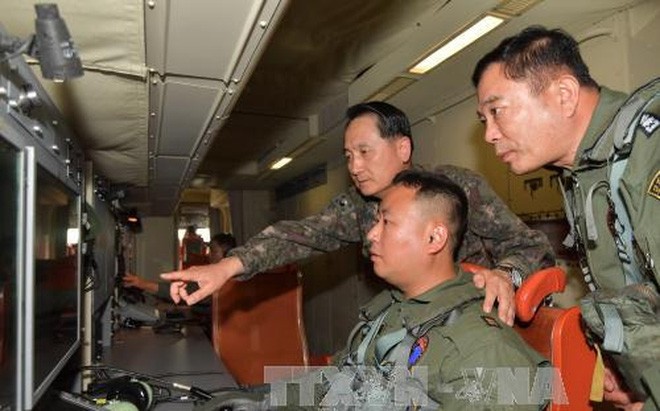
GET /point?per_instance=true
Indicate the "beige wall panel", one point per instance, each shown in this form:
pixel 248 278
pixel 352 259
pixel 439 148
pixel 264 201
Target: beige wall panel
pixel 155 247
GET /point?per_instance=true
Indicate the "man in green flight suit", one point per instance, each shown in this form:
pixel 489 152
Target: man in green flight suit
pixel 421 222
pixel 425 343
pixel 542 108
pixel 377 145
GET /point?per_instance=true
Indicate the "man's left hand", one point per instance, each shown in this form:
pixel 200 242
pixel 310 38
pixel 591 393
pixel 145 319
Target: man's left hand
pixel 498 288
pixel 616 393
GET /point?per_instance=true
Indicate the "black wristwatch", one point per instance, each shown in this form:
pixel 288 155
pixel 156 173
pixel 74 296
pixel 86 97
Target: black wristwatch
pixel 514 273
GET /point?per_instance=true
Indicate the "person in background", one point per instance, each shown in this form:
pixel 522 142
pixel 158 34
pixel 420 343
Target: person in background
pixel 541 107
pixel 377 145
pixel 219 246
pixel 192 248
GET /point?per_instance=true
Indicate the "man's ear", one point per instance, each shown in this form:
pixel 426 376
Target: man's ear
pixel 404 148
pixel 438 238
pixel 569 94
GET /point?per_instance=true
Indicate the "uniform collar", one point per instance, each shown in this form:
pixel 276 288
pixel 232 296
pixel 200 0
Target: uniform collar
pixel 435 292
pixel 589 152
pixel 392 295
pixel 419 309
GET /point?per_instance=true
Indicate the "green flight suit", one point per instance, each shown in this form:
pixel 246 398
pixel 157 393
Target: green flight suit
pixel 470 362
pixel 640 183
pixel 589 194
pixel 454 352
pixel 494 236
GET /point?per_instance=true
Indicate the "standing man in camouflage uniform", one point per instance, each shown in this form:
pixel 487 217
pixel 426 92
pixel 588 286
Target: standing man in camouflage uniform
pixel 377 145
pixel 541 107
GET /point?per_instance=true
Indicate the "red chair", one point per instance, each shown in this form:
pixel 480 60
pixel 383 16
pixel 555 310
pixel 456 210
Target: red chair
pixel 556 333
pixel 259 323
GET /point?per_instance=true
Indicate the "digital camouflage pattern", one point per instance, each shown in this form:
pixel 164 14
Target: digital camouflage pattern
pixel 495 235
pixel 638 306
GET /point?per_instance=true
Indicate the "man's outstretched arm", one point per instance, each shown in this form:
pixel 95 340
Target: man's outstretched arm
pixel 281 243
pixel 209 278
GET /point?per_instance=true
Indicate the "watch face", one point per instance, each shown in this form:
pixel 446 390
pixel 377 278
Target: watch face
pixel 514 274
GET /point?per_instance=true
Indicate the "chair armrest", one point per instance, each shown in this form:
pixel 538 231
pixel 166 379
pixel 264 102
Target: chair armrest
pixel 533 290
pixel 536 288
pixel 320 360
pixel 471 267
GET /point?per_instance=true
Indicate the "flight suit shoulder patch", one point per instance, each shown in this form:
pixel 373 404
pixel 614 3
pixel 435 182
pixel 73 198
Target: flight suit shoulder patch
pixel 654 187
pixel 648 122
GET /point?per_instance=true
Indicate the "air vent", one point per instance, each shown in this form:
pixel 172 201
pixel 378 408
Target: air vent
pixel 514 8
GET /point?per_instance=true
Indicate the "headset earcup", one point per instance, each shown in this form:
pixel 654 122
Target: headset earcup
pixel 133 391
pixel 120 406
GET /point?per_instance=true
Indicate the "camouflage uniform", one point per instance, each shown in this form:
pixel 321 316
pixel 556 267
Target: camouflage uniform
pixel 494 236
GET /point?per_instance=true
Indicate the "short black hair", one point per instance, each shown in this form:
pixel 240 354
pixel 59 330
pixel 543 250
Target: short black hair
pixel 534 55
pixel 437 187
pixel 392 122
pixel 226 241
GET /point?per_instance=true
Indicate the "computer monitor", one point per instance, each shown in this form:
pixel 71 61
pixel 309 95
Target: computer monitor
pixel 10 158
pixel 40 193
pixel 40 288
pixel 52 281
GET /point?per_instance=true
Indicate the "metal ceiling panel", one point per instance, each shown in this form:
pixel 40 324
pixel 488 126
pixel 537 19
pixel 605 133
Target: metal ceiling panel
pixel 178 30
pixel 267 15
pixel 198 52
pixel 185 113
pixel 169 170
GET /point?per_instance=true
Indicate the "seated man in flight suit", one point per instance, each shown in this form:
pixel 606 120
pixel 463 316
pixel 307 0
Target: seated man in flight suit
pixel 430 321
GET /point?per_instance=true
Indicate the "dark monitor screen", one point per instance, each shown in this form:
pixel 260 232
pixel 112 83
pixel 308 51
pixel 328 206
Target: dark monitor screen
pixel 9 262
pixel 52 329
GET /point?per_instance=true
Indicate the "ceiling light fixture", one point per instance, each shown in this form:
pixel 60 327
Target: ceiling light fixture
pixel 308 144
pixel 280 163
pixel 458 43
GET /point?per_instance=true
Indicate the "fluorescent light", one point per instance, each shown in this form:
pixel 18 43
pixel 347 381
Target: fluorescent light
pixel 458 43
pixel 280 163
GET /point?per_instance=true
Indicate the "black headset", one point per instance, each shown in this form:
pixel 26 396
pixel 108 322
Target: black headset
pixel 126 394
